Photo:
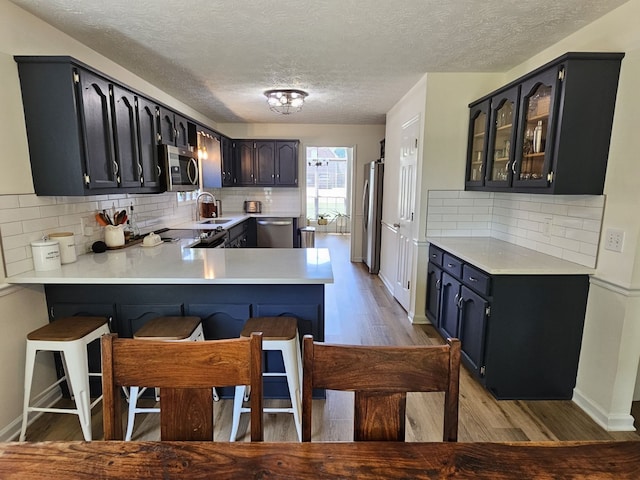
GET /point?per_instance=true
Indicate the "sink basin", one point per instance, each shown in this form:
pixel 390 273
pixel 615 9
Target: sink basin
pixel 216 221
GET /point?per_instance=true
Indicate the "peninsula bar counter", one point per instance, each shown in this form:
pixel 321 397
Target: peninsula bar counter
pixel 224 287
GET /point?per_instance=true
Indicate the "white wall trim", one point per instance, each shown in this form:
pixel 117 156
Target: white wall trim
pixel 610 422
pixel 623 290
pixel 9 289
pixel 11 432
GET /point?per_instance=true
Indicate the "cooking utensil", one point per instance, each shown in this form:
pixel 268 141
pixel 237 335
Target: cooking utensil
pixel 107 217
pixel 101 220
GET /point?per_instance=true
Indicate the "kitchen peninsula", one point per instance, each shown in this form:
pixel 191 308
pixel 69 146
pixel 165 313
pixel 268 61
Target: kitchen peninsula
pixel 222 286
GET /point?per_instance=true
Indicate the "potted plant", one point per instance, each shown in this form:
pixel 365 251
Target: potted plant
pixel 323 218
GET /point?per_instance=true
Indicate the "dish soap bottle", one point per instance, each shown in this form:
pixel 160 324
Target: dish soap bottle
pixel 537 138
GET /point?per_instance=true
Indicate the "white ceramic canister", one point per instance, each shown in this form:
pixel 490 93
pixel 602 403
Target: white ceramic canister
pixel 67 246
pixel 114 235
pixel 46 255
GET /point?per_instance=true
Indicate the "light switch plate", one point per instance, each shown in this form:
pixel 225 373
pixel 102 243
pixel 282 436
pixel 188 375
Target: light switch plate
pixel 614 239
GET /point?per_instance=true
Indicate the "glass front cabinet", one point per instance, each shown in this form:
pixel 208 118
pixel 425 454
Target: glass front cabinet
pixel 477 147
pixel 547 132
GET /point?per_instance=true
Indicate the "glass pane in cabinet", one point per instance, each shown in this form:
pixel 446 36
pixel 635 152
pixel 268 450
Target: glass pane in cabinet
pixel 479 134
pixel 535 133
pixel 502 145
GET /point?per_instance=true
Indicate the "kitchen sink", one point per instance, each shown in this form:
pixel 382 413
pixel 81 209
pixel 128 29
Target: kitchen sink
pixel 216 221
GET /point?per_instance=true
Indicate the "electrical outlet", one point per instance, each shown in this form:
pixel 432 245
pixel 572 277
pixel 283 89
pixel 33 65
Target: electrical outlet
pixel 614 239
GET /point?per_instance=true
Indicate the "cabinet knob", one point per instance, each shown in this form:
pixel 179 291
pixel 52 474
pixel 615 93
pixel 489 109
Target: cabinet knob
pixel 473 279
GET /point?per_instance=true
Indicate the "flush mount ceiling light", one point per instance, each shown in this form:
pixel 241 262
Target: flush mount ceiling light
pixel 285 101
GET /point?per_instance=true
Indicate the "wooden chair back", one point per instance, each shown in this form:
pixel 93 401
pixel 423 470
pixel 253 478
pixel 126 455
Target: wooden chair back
pixel 381 376
pixel 186 373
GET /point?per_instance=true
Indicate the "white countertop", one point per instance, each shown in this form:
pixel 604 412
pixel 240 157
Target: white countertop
pixel 502 258
pixel 176 263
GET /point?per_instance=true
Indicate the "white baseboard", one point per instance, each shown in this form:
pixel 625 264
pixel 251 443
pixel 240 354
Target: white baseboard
pixel 611 422
pixel 11 433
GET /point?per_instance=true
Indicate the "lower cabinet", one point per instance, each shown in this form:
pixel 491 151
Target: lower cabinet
pixel 223 309
pixel 520 334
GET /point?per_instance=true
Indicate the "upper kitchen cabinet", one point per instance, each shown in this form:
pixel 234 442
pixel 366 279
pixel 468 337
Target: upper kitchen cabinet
pixel 87 134
pixel 477 146
pixel 209 153
pixel 500 156
pixel 549 131
pixel 266 163
pixel 286 163
pixel 174 129
pixel 147 114
pixel 228 175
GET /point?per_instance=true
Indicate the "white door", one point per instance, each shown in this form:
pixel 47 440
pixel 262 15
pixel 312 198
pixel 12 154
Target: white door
pixel 406 208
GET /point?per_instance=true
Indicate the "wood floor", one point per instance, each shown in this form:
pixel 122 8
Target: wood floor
pixel 359 310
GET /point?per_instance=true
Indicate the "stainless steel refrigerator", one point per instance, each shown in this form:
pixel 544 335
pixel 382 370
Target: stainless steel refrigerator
pixel 372 214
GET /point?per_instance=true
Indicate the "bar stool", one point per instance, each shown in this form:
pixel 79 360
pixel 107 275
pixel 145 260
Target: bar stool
pixel 280 334
pixel 166 329
pixel 69 336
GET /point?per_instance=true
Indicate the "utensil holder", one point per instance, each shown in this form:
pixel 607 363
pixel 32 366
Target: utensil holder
pixel 114 235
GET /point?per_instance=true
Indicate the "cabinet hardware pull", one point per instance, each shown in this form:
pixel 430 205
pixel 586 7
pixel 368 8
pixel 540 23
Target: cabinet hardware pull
pixel 433 255
pixel 455 300
pixel 115 170
pixel 450 265
pixel 513 167
pixel 473 279
pixel 460 302
pixel 438 282
pixel 159 170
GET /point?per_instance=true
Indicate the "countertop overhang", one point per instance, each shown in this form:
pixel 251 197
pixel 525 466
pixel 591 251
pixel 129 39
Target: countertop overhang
pixel 176 263
pixel 498 257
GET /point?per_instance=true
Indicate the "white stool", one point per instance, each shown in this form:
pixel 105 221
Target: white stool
pixel 69 336
pixel 281 334
pixel 166 329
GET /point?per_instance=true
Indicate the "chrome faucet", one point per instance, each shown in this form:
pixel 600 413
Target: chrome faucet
pixel 203 194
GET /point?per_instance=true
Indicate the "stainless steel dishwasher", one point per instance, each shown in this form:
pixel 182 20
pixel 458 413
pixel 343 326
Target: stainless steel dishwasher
pixel 275 232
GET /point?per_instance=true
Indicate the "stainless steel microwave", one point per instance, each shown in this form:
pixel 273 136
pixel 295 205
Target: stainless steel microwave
pixel 181 168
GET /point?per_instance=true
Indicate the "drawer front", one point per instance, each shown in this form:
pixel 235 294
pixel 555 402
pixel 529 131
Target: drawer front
pixel 435 255
pixel 452 265
pixel 476 279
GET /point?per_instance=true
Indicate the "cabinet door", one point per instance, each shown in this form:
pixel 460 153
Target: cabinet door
pixel 264 163
pixel 477 144
pixel 167 127
pixel 133 317
pixel 209 152
pixel 502 137
pixel 182 131
pixel 534 153
pixel 448 318
pixel 244 162
pixel 101 165
pixel 126 137
pixel 286 164
pixel 473 319
pixel 434 282
pixel 228 179
pixel 148 142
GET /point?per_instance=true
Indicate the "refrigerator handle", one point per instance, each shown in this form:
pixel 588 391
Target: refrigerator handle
pixel 365 203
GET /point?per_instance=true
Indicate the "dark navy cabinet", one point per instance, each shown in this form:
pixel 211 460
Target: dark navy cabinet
pixel 174 128
pixel 266 163
pixel 547 131
pixel 87 133
pixel 520 334
pixel 223 309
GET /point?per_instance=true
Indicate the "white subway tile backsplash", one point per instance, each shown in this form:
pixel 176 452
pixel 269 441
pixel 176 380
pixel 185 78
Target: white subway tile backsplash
pixel 564 226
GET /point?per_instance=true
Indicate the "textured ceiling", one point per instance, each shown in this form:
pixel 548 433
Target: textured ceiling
pixel 355 58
